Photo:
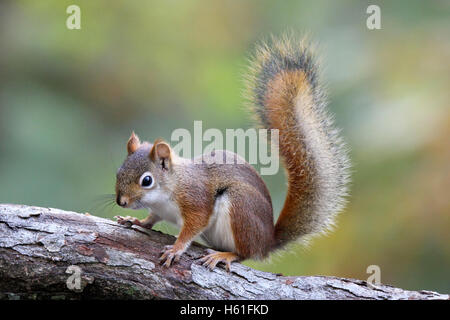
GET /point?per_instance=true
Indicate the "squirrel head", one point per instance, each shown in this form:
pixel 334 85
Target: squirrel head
pixel 144 174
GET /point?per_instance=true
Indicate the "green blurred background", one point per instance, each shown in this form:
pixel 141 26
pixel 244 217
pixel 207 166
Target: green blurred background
pixel 70 98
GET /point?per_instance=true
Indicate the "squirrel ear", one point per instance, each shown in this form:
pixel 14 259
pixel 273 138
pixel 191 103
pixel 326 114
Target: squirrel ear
pixel 133 143
pixel 161 153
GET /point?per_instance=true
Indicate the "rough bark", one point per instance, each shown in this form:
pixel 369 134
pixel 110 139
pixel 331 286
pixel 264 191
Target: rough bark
pixel 41 248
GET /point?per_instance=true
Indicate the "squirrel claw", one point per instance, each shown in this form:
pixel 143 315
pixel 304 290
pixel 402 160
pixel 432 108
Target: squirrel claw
pixel 127 221
pixel 214 257
pixel 170 254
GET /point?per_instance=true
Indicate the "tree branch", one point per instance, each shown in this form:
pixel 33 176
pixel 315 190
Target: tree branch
pixel 41 251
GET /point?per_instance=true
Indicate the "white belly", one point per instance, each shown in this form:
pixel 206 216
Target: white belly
pixel 219 234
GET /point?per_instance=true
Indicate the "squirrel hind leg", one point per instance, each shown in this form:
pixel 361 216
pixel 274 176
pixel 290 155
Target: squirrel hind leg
pixel 214 257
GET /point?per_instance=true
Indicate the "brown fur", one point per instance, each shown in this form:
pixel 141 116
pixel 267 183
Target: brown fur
pixel 133 144
pixel 284 92
pixel 195 203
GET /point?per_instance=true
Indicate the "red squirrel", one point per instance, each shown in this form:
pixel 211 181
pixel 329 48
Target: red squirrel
pixel 229 205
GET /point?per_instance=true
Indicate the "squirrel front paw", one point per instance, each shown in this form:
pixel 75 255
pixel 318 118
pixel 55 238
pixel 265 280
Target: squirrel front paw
pixel 127 221
pixel 169 254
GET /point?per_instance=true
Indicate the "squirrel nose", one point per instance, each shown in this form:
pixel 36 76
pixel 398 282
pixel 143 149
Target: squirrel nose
pixel 122 200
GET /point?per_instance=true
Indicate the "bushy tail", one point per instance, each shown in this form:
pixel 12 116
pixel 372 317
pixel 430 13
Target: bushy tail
pixel 284 91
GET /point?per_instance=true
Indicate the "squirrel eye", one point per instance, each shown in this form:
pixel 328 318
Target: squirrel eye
pixel 146 180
